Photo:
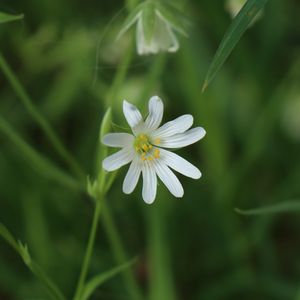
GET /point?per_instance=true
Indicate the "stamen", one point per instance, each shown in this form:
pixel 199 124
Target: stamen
pixel 157 141
pixel 144 148
pixel 156 153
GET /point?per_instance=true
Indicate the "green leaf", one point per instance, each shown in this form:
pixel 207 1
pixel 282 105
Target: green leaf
pixel 148 20
pixel 4 17
pixel 95 282
pixel 22 250
pixel 288 206
pixel 235 31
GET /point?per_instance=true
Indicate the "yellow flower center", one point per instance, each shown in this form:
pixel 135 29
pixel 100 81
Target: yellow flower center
pixel 144 148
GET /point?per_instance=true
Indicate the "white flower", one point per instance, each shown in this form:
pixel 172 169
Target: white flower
pixel 154 31
pixel 163 39
pixel 145 150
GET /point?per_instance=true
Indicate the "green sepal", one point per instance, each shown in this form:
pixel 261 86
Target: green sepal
pixel 92 188
pixel 173 16
pixel 131 19
pixel 105 124
pixel 148 20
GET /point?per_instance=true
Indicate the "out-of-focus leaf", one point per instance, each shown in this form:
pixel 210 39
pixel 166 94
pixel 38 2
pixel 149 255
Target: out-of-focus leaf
pixel 235 31
pixel 95 282
pixel 4 17
pixel 288 206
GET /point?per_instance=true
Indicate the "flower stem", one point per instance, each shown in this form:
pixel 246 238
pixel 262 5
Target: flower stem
pixel 119 253
pixel 120 75
pixel 89 249
pixel 39 118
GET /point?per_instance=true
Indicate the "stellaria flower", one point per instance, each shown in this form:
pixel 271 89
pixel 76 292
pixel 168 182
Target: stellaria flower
pixel 156 27
pixel 144 149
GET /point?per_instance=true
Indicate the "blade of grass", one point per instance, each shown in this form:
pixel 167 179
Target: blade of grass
pixel 287 206
pixel 5 17
pixel 42 164
pixel 98 280
pixel 235 31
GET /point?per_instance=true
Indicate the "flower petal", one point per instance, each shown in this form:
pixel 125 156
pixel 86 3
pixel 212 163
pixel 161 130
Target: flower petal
pixel 169 179
pixel 149 183
pixel 118 159
pixel 176 126
pixel 183 139
pixel 132 114
pixel 156 110
pixel 179 164
pixel 118 139
pixel 132 176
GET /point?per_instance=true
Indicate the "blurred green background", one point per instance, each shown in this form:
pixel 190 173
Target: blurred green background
pixel 65 55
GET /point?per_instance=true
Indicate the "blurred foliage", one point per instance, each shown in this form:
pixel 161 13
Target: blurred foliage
pixel 66 56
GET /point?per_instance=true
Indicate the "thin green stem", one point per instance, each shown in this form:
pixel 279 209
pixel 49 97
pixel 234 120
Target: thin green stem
pixel 55 292
pixel 39 118
pixel 89 249
pixel 119 253
pixel 120 75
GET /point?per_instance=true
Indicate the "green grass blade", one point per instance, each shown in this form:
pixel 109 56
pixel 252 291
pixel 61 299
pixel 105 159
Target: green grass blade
pixel 287 206
pixel 42 164
pixel 95 282
pixel 235 31
pixel 4 17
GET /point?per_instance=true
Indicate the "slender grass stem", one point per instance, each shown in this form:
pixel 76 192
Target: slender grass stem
pixel 39 118
pixel 89 249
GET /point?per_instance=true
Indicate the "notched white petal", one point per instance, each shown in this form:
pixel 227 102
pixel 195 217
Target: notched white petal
pixel 132 114
pixel 118 159
pixel 118 139
pixel 183 139
pixel 132 176
pixel 169 179
pixel 156 110
pixel 179 164
pixel 149 183
pixel 179 125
